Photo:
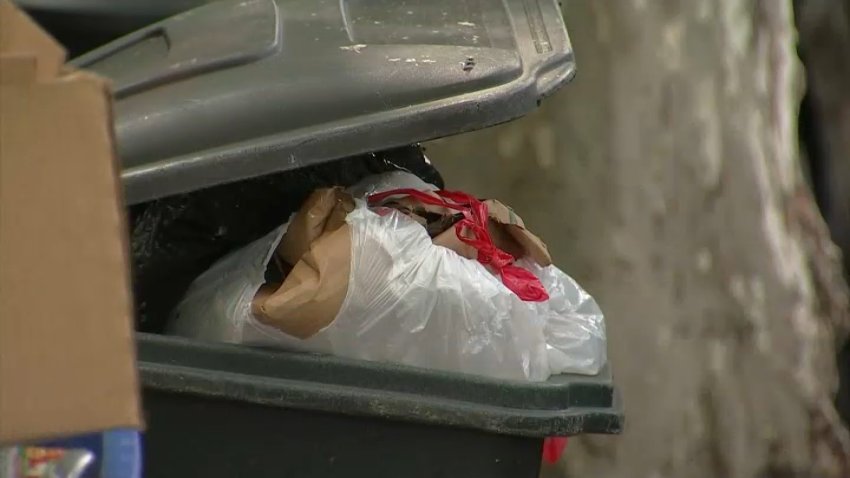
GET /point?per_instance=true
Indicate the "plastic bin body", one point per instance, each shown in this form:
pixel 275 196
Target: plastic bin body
pixel 215 437
pixel 219 410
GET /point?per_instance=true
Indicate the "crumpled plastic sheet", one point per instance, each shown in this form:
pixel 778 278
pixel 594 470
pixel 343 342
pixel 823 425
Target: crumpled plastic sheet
pixel 412 302
pixel 175 239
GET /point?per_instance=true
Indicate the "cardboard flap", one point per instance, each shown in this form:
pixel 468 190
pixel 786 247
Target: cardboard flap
pixel 67 355
pixel 18 69
pixel 21 36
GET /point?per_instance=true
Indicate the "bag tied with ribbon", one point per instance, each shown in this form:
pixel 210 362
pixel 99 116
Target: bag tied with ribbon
pixel 478 224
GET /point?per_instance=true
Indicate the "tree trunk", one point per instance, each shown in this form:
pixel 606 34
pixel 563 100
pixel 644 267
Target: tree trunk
pixel 825 46
pixel 666 180
pixel 825 122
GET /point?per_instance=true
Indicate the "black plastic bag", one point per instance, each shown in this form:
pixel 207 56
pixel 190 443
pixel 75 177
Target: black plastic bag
pixel 175 239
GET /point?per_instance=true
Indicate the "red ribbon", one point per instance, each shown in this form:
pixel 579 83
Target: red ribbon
pixel 472 230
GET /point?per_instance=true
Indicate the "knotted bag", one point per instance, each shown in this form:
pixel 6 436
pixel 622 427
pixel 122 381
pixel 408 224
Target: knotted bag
pixel 474 230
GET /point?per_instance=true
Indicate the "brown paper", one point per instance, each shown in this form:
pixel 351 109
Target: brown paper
pixel 318 243
pixel 504 218
pixel 508 233
pixel 67 357
pixel 324 210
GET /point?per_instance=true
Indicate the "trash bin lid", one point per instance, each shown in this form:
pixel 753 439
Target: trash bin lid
pixel 236 89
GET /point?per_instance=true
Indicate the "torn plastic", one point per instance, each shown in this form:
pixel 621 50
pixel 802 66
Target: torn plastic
pixel 412 302
pixel 176 238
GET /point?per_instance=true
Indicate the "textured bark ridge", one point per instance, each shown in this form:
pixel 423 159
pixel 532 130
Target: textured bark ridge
pixel 666 179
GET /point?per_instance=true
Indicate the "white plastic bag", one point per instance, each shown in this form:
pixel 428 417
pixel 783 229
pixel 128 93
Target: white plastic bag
pixel 412 302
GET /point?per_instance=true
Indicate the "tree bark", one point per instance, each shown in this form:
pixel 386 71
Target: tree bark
pixel 666 179
pixel 824 28
pixel 824 31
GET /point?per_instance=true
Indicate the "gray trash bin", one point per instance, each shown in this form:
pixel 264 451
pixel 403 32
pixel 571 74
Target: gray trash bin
pixel 235 91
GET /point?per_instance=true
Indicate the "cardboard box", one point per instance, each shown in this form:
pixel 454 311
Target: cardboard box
pixel 67 358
